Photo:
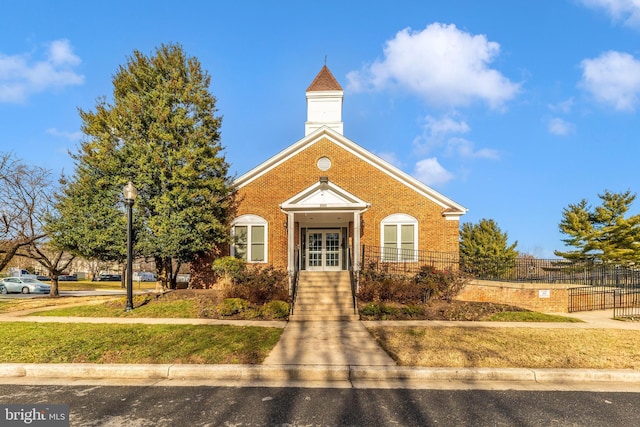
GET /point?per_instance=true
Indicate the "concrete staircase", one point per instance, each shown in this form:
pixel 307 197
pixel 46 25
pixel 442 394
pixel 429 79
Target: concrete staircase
pixel 323 295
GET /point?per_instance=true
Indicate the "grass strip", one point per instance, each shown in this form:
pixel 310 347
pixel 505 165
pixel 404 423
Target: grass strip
pixel 510 347
pixel 530 316
pixel 115 308
pixel 105 343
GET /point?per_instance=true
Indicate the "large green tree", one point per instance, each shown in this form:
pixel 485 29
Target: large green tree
pixel 484 249
pixel 604 233
pixel 159 131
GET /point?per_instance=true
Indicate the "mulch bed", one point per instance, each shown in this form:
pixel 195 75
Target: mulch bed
pixel 440 310
pixel 434 310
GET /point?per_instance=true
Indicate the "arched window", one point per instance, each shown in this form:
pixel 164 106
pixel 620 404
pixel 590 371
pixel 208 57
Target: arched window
pixel 249 238
pixel 399 238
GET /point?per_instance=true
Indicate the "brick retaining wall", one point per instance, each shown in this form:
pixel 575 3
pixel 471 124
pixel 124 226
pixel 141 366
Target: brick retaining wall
pixel 542 297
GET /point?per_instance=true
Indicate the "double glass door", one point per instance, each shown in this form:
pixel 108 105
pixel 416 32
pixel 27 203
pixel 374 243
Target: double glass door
pixel 323 250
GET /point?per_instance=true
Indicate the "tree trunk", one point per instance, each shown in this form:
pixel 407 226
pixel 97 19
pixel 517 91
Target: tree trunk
pixel 54 286
pixel 174 275
pixel 161 273
pixel 123 278
pixel 168 265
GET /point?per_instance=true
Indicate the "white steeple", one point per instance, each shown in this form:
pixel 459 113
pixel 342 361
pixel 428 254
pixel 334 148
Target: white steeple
pixel 324 103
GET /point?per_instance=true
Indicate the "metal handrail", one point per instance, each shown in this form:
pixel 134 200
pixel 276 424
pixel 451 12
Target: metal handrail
pixel 352 280
pixel 294 280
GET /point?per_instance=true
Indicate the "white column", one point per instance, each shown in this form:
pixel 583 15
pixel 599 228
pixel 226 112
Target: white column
pixel 356 241
pixel 291 245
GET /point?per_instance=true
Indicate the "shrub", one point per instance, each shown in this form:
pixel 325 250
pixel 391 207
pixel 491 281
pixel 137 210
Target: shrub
pixel 231 306
pixel 436 284
pixel 371 309
pixel 382 286
pixel 260 285
pixel 412 310
pixel 228 269
pixel 275 310
pixel 427 284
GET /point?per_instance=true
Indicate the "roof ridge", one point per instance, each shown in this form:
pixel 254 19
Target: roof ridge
pixel 324 81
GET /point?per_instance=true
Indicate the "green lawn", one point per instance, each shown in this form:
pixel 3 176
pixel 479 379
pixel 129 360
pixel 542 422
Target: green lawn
pixel 530 316
pixel 88 285
pixel 115 308
pixel 105 343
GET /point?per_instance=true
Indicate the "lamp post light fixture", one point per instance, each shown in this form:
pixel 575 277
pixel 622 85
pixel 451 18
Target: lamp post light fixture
pixel 130 194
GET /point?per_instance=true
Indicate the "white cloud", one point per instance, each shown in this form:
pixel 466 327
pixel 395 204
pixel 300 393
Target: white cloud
pixel 558 126
pixel 71 136
pixel 563 107
pixel 430 172
pixel 436 131
pixel 444 133
pixel 626 11
pixel 445 125
pixel 21 75
pixel 464 148
pixel 442 65
pixel 613 79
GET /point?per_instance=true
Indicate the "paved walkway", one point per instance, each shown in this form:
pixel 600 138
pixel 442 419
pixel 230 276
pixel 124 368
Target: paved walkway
pixel 328 343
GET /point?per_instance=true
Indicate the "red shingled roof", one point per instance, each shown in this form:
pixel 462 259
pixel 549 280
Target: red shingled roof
pixel 324 81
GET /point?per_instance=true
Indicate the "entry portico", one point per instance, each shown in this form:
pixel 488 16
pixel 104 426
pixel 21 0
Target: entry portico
pixel 327 221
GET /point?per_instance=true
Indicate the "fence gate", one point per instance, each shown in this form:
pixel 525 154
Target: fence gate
pixel 627 303
pixel 589 298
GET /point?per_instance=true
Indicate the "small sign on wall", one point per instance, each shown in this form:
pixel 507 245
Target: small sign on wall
pixel 544 293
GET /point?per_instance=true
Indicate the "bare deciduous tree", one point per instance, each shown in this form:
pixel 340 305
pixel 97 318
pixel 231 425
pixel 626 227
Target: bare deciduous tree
pixel 23 190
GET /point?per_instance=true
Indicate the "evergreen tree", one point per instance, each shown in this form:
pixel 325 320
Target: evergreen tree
pixel 484 251
pixel 160 132
pixel 602 234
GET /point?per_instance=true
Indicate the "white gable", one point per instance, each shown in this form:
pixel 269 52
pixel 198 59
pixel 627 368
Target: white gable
pixel 451 209
pixel 323 195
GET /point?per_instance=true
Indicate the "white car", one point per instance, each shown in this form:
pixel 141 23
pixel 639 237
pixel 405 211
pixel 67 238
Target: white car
pixel 24 285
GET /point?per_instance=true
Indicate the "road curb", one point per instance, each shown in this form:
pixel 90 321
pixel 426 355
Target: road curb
pixel 313 373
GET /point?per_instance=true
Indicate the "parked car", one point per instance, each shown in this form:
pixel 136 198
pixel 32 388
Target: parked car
pixel 43 278
pixel 109 278
pixel 24 285
pixel 68 278
pixel 143 276
pixel 20 272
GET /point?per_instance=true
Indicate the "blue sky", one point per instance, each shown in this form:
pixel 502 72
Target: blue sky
pixel 513 109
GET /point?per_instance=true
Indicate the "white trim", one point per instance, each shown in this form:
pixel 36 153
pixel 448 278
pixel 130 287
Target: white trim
pixel 324 197
pixel 323 250
pixel 251 221
pixel 452 209
pixel 399 220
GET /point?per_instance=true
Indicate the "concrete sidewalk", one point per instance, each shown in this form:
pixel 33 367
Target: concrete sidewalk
pixel 334 354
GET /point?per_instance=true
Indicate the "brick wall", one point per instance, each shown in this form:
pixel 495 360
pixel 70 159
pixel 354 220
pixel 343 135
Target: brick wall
pixel 387 196
pixel 542 297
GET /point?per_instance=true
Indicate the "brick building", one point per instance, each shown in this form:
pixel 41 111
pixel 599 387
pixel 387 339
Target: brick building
pixel 316 202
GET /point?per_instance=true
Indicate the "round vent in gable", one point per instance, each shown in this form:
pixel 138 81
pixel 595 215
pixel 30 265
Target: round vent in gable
pixel 324 163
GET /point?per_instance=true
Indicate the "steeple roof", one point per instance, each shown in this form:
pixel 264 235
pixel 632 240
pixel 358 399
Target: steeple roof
pixel 324 81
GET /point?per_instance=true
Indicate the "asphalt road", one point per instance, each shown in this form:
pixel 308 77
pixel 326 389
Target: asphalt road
pixel 114 406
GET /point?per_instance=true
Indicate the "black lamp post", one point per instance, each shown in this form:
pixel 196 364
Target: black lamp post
pixel 130 194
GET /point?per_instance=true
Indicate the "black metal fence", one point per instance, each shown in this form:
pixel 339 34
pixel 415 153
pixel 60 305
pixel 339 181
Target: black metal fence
pixel 627 303
pixel 598 286
pixel 402 261
pixel 532 270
